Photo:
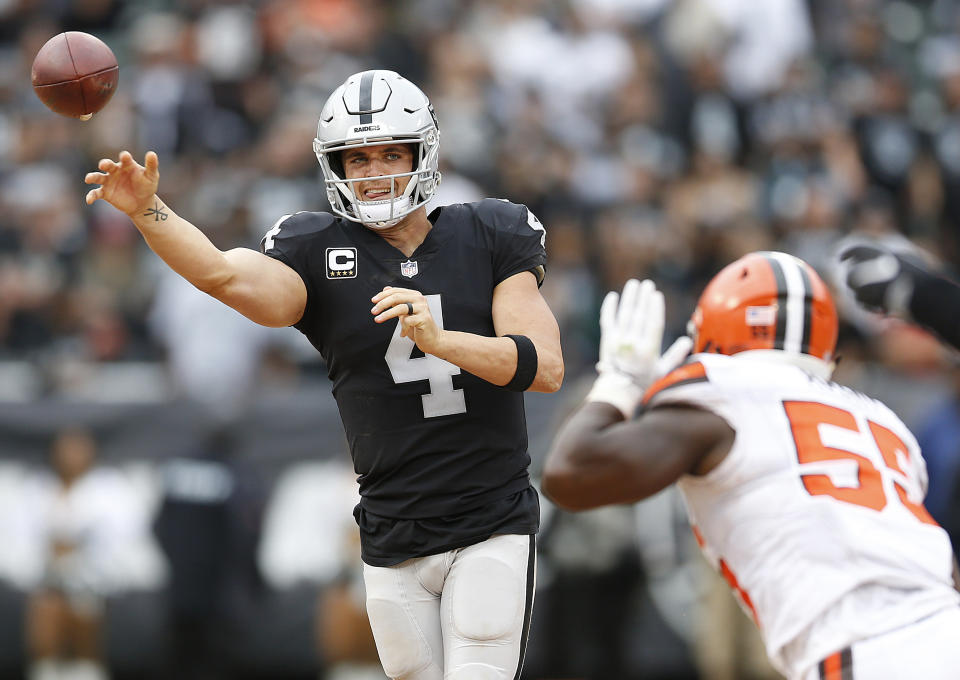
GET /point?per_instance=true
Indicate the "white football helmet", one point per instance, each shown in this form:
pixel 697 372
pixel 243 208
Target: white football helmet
pixel 371 108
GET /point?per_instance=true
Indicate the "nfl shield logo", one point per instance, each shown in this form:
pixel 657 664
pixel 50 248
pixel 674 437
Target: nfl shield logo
pixel 408 269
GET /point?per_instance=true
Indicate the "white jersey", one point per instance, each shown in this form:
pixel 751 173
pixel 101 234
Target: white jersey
pixel 815 516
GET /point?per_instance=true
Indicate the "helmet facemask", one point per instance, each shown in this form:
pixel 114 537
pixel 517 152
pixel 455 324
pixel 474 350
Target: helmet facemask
pixel 346 202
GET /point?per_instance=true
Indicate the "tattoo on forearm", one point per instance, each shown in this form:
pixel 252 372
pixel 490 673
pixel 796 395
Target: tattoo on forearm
pixel 159 212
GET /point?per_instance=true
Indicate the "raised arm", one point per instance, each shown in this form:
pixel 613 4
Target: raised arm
pixel 903 285
pixel 597 458
pixel 259 287
pixel 518 309
pixel 602 455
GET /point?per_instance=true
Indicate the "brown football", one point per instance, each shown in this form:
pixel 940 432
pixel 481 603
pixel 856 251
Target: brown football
pixel 75 74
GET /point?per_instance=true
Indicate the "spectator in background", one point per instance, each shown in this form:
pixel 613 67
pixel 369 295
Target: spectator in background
pixel 91 537
pixel 65 616
pixel 939 438
pixel 208 524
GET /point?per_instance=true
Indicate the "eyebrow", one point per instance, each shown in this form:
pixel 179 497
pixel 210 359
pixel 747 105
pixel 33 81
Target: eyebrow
pixel 364 150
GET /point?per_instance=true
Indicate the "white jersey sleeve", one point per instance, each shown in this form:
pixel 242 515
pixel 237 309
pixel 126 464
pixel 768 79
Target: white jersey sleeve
pixel 820 496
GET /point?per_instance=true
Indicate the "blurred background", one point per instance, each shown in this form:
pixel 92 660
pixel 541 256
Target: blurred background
pixel 175 490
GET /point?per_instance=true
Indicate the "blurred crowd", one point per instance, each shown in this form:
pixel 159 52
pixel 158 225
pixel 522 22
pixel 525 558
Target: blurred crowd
pixel 653 138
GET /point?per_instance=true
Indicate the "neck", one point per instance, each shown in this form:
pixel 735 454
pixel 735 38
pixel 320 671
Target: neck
pixel 407 234
pixel 810 364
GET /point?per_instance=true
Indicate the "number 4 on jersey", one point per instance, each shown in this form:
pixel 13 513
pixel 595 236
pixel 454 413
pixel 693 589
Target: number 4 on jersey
pixel 442 399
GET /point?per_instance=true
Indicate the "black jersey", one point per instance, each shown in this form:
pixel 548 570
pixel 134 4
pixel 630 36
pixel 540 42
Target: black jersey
pixel 441 454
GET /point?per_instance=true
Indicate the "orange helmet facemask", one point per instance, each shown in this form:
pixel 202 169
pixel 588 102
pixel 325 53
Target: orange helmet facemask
pixel 766 301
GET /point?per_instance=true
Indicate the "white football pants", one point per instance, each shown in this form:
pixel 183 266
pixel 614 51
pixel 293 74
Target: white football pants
pixel 459 615
pixel 928 649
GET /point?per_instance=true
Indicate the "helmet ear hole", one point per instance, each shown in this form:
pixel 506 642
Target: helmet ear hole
pixel 336 163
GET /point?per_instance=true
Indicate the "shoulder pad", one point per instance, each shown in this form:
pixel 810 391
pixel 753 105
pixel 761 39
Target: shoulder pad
pixel 504 215
pixel 290 227
pixel 498 208
pixel 499 213
pixel 687 374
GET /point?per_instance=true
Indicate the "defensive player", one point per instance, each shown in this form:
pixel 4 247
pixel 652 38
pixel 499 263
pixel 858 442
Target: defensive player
pixel 807 496
pixel 432 327
pixel 903 285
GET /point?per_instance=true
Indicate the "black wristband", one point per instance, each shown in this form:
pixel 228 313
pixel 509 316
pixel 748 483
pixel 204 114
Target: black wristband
pixel 526 364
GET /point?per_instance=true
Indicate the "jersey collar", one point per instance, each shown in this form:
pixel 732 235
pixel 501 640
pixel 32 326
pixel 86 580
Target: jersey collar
pixel 811 364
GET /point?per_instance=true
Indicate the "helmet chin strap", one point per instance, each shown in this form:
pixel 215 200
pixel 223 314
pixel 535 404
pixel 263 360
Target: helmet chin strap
pixel 387 212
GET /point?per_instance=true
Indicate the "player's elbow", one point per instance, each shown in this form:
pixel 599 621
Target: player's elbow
pixel 550 375
pixel 211 286
pixel 215 284
pixel 561 484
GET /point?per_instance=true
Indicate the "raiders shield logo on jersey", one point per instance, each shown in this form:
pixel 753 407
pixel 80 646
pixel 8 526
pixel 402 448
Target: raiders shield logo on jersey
pixel 408 269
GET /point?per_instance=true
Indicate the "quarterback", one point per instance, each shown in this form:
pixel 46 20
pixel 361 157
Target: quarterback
pixel 432 326
pixel 807 496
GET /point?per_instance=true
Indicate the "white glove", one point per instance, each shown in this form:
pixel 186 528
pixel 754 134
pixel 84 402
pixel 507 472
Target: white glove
pixel 631 333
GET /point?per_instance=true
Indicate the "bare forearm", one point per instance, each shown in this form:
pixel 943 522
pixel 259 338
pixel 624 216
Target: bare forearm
pixel 495 359
pixel 574 475
pixel 264 290
pixel 180 244
pixel 599 459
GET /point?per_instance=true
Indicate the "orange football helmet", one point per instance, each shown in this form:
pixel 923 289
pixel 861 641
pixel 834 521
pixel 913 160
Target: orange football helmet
pixel 766 300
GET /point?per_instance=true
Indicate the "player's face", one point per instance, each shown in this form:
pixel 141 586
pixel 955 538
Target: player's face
pixel 375 162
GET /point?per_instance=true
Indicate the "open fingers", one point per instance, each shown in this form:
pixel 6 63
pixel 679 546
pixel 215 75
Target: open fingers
pixel 151 162
pixel 107 165
pixel 608 310
pixel 651 310
pixel 93 195
pixel 636 313
pixel 608 325
pixel 674 355
pixel 628 301
pixel 656 312
pixel 94 178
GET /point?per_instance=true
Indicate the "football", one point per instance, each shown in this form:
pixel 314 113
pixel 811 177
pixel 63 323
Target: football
pixel 75 74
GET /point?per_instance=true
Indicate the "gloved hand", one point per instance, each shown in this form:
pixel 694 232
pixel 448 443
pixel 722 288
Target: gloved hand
pixel 631 332
pixel 881 280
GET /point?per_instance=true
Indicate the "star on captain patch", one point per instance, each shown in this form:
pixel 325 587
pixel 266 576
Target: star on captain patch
pixel 408 269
